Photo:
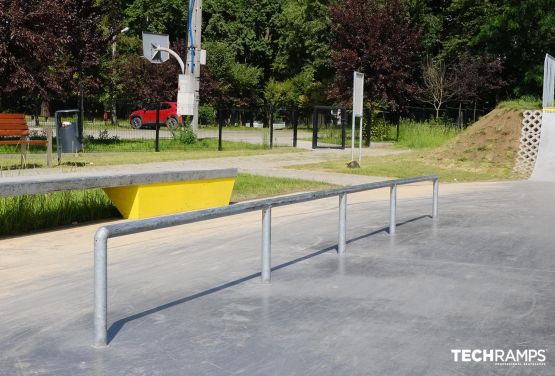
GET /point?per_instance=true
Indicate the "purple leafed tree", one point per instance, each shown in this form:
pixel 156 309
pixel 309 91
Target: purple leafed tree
pixel 31 49
pixel 378 39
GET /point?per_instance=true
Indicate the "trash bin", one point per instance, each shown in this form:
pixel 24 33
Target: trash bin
pixel 68 134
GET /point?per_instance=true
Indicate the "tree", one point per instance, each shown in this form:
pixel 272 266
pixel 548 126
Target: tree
pixel 236 83
pixel 161 16
pixel 378 39
pixel 516 33
pixel 439 85
pixel 303 40
pixel 145 82
pixel 32 62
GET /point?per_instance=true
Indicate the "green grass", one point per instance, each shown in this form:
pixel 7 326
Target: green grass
pixel 230 149
pixel 115 145
pixel 424 135
pixel 522 103
pixel 30 213
pixel 37 212
pixel 416 164
pixel 249 187
pixel 412 134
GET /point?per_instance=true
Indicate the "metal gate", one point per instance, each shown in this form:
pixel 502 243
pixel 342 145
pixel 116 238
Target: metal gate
pixel 329 127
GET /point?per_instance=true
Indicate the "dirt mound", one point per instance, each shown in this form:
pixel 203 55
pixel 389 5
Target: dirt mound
pixel 492 141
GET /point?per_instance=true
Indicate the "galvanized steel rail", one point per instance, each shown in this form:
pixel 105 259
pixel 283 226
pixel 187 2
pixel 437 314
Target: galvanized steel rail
pixel 265 205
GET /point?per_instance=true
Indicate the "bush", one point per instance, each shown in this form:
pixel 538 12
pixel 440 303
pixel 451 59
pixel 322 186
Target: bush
pixel 184 135
pixel 380 130
pixel 206 115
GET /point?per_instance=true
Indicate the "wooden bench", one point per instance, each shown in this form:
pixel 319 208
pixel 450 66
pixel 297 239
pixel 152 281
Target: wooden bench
pixel 15 131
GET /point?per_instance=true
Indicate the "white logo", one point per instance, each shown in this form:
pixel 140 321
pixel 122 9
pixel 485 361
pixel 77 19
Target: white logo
pixel 527 357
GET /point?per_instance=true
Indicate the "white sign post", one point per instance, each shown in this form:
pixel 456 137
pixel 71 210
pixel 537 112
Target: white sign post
pixel 358 99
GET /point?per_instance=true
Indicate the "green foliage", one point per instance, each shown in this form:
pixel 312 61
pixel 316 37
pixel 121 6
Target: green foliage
pixel 269 39
pixel 522 103
pixel 424 135
pixel 295 91
pixel 248 187
pixel 304 40
pixel 28 213
pixel 161 16
pixel 236 81
pixel 185 135
pixel 207 116
pixel 380 130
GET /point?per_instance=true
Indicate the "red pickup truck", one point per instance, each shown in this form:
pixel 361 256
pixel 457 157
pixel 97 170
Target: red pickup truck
pixel 147 116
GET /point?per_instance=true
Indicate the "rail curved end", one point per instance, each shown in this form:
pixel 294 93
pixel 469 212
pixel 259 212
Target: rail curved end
pixel 101 235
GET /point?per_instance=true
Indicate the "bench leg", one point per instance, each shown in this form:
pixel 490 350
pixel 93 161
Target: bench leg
pixel 23 155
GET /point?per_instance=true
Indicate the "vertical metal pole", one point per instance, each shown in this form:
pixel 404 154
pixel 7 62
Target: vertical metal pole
pixel 353 136
pixel 271 126
pixel 435 199
pixel 397 125
pixel 360 141
pixel 315 128
pixel 392 209
pixel 194 43
pixel 342 238
pixel 220 128
pixel 266 243
pixel 157 144
pixel 343 127
pixel 295 116
pixel 101 288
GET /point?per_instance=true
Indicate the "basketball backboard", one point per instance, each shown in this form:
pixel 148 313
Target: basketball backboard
pixel 151 41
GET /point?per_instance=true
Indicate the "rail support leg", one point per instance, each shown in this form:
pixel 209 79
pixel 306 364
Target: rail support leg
pixel 342 238
pixel 100 288
pixel 266 244
pixel 392 209
pixel 435 199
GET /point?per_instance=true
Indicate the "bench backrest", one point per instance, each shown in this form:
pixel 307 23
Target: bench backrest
pixel 13 125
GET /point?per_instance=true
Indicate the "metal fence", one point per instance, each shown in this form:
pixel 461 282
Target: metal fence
pixel 236 128
pixel 266 205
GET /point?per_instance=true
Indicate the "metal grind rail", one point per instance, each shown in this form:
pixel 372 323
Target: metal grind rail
pixel 265 205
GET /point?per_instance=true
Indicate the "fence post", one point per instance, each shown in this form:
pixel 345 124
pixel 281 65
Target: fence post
pixel 220 128
pixel 397 125
pixel 435 199
pixel 343 127
pixel 266 244
pixel 315 128
pixel 392 209
pixel 101 288
pixel 295 116
pixel 157 146
pixel 271 126
pixel 342 238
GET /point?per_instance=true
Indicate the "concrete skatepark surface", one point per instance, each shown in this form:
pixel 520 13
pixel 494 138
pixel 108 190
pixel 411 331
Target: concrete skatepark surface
pixel 544 169
pixel 188 301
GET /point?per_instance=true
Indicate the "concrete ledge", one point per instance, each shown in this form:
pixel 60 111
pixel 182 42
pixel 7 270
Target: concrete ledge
pixel 28 185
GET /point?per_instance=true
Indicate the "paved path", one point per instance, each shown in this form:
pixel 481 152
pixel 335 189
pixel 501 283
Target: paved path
pixel 264 164
pixel 188 301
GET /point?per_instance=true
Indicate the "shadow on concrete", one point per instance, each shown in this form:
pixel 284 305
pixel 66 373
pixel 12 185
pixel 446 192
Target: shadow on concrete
pixel 118 325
